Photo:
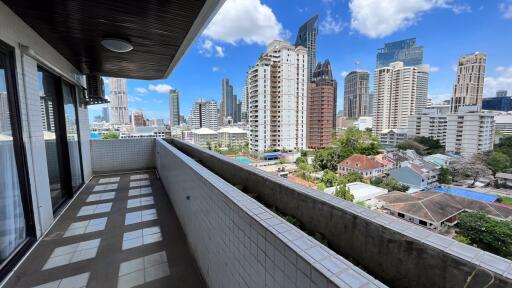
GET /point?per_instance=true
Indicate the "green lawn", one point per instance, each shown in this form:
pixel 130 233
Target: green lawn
pixel 506 200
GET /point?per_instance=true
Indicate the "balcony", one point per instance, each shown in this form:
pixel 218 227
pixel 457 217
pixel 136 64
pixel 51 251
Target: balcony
pixel 189 210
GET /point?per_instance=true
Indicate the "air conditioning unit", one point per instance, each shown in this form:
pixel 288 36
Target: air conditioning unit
pixel 95 90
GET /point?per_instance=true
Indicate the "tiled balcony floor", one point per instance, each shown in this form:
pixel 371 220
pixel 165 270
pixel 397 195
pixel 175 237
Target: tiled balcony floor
pixel 120 231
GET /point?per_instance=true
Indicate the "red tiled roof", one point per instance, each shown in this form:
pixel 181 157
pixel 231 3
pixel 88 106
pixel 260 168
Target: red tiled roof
pixel 360 162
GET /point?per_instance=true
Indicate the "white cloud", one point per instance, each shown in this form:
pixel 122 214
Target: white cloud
pixel 502 80
pixel 141 90
pixel 134 99
pixel 215 68
pixel 208 49
pixel 160 88
pixel 434 69
pixel 438 98
pixel 247 21
pixel 344 73
pixel 330 25
pixel 380 18
pixel 454 67
pixel 506 9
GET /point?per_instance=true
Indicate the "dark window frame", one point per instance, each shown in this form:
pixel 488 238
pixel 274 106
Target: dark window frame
pixel 10 262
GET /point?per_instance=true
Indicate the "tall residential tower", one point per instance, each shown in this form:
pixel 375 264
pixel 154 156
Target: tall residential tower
pixel 174 107
pixel 468 89
pixel 277 98
pixel 306 37
pixel 118 101
pixel 204 114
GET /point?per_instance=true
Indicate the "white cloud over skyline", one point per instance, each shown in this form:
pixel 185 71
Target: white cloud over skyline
pixel 160 88
pixel 502 80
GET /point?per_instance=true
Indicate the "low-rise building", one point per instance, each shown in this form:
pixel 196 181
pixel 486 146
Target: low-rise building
pixel 364 165
pixel 417 174
pixel 364 122
pixel 361 191
pixel 392 137
pixel 468 133
pixel 440 160
pixel 435 210
pixel 504 179
pixel 232 136
pixel 204 137
pixel 503 123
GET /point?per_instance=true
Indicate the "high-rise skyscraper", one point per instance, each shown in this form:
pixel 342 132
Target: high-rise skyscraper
pixel 395 95
pixel 277 96
pixel 105 114
pixel 468 89
pixel 228 100
pixel 5 121
pixel 204 114
pixel 357 94
pixel 306 37
pixel 118 101
pixel 174 107
pixel 244 110
pixel 404 51
pixel 321 109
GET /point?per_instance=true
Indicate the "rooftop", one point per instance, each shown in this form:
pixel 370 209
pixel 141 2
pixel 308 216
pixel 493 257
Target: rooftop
pixel 360 162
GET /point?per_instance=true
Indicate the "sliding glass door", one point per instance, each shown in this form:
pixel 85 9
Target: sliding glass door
pixel 61 136
pixel 16 223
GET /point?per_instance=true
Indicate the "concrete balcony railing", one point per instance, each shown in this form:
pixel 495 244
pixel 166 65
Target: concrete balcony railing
pixel 238 241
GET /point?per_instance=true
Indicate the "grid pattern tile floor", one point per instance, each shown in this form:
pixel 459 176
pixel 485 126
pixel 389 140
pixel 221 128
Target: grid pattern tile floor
pixel 120 231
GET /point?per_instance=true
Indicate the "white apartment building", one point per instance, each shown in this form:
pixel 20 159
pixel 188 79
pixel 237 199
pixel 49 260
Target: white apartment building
pixel 232 136
pixel 504 123
pixel 277 88
pixel 431 122
pixel 392 137
pixel 468 89
pixel 118 101
pixel 204 114
pixel 397 89
pixel 363 123
pixel 205 137
pixel 468 133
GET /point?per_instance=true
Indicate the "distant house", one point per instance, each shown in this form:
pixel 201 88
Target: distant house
pixel 392 137
pixel 204 137
pixel 361 191
pixel 417 174
pixel 440 160
pixel 389 161
pixel 504 179
pixel 364 165
pixel 435 210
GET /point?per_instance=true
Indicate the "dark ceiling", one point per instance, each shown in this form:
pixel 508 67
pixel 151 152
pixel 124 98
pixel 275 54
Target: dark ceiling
pixel 75 28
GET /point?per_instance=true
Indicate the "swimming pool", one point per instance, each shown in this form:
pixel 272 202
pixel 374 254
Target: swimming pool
pixel 467 193
pixel 95 135
pixel 244 160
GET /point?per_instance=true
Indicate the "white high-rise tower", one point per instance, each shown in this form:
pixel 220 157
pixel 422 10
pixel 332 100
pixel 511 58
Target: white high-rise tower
pixel 118 101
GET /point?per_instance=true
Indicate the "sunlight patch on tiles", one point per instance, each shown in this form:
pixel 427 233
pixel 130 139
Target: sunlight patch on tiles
pixel 109 180
pixel 139 183
pixel 140 202
pixel 77 281
pixel 94 209
pixel 101 196
pixel 140 216
pixel 141 237
pixel 72 253
pixel 87 226
pixel 105 187
pixel 143 270
pixel 139 191
pixel 138 177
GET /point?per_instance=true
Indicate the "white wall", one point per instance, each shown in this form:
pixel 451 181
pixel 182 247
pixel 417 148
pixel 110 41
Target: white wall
pixel 15 32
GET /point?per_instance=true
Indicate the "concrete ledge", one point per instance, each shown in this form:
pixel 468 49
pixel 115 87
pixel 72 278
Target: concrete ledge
pixel 238 242
pixel 122 155
pixel 398 253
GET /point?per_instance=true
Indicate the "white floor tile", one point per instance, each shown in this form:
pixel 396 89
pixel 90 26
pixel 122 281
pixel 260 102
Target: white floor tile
pixel 77 281
pixel 109 180
pixel 87 226
pixel 101 196
pixel 137 177
pixel 140 216
pixel 139 191
pixel 140 183
pixel 94 209
pixel 141 237
pixel 143 270
pixel 72 253
pixel 140 202
pixel 105 187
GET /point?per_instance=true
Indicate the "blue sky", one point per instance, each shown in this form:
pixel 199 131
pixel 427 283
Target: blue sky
pixel 350 30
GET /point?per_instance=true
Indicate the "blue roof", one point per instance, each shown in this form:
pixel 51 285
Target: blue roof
pixel 467 194
pixel 271 155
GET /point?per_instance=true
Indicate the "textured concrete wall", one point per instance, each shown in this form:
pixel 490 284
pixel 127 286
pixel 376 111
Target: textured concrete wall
pixel 237 242
pixel 116 155
pixel 396 252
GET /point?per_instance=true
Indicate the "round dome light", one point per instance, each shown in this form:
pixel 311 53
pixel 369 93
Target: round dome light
pixel 116 45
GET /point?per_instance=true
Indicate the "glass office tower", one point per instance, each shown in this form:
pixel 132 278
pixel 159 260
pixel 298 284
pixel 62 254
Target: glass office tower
pixel 405 51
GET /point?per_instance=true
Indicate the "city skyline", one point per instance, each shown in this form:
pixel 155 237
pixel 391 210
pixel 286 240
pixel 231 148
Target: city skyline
pixel 200 72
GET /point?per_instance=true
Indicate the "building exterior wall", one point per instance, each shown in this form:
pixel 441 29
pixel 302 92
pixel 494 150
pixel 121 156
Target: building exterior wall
pixel 204 114
pixel 503 103
pixel 118 101
pixel 174 107
pixel 232 139
pixel 404 51
pixel 470 133
pixel 433 126
pixel 204 140
pixel 278 98
pixel 468 89
pixel 357 94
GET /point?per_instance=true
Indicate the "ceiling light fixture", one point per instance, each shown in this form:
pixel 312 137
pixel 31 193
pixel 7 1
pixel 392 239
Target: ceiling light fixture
pixel 116 45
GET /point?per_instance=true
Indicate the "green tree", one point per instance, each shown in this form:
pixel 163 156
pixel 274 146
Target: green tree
pixel 487 233
pixel 391 184
pixel 329 178
pixel 432 146
pixel 111 135
pixel 342 192
pixel 304 171
pixel 320 186
pixel 498 161
pixel 505 146
pixel 353 177
pixel 412 145
pixel 473 168
pixel 444 176
pixel 300 160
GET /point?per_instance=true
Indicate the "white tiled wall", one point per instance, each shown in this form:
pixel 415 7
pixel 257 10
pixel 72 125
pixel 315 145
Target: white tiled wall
pixel 16 33
pixel 122 155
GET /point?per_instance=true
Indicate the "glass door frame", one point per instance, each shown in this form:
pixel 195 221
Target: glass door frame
pixel 21 161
